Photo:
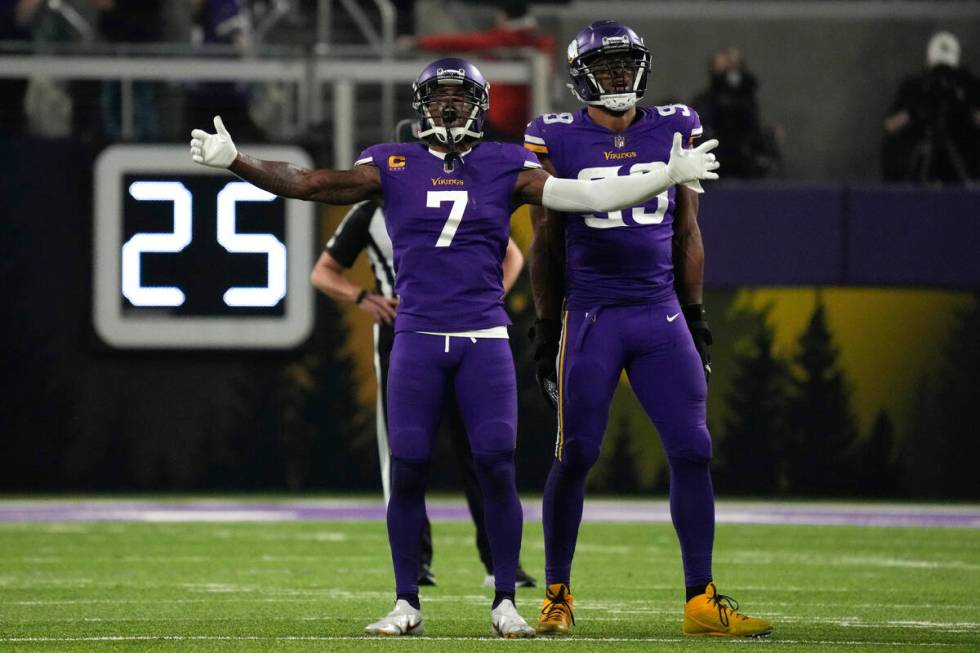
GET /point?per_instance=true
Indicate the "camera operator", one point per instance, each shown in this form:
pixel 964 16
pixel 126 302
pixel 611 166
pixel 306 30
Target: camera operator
pixel 932 132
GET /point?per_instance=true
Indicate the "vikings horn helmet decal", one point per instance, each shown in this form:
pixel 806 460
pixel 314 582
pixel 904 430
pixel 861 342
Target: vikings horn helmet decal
pixel 607 37
pixel 451 91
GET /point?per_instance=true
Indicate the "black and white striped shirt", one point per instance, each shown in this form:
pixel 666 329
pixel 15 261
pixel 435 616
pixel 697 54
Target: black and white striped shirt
pixel 364 228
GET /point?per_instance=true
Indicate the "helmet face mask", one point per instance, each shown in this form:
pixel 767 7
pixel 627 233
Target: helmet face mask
pixel 608 64
pixel 451 98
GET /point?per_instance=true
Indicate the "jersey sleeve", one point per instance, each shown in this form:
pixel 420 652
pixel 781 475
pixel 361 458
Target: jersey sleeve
pixel 352 234
pixel 534 137
pixel 515 159
pixel 692 129
pixel 531 161
pixel 682 119
pixel 370 156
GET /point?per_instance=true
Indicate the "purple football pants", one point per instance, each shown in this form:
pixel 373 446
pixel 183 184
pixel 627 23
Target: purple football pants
pixel 482 373
pixel 653 344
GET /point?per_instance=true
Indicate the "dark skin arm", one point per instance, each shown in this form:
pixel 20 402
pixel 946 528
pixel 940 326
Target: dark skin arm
pixel 340 187
pixel 547 264
pixel 529 187
pixel 547 258
pixel 688 255
pixel 344 187
pixel 350 186
pixel 547 252
pixel 688 249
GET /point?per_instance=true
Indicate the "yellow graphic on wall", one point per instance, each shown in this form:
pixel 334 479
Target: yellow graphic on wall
pixel 887 338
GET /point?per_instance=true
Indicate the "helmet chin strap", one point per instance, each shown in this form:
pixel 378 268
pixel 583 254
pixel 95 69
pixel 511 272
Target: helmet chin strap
pixel 611 101
pixel 617 101
pixel 449 116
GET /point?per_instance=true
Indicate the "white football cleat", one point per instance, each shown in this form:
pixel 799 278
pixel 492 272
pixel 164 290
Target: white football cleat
pixel 403 620
pixel 506 622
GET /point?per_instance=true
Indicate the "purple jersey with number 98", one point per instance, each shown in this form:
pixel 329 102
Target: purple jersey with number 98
pixel 621 257
pixel 448 231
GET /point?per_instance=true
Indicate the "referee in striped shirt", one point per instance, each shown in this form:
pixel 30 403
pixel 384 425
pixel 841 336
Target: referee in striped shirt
pixel 363 228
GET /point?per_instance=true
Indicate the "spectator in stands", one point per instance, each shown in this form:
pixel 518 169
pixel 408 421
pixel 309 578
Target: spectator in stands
pixel 16 17
pixel 131 21
pixel 58 107
pixel 222 22
pixel 729 112
pixel 404 17
pixel 932 131
pixel 514 31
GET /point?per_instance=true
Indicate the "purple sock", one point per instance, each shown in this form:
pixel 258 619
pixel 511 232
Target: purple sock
pixel 412 599
pixel 564 494
pixel 503 515
pixel 406 516
pixel 692 509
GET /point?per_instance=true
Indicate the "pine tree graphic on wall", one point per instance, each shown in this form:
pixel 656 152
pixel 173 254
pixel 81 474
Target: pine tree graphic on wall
pixel 821 425
pixel 749 454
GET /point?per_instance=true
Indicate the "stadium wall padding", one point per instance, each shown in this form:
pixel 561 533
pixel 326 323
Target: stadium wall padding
pixel 841 235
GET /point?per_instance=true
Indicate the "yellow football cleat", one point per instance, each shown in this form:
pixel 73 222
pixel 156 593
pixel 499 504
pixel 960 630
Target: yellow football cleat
pixel 717 615
pixel 556 611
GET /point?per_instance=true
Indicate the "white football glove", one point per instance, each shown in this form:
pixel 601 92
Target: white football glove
pixel 686 167
pixel 215 150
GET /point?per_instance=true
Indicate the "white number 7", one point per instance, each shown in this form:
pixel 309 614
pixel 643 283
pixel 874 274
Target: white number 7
pixel 459 198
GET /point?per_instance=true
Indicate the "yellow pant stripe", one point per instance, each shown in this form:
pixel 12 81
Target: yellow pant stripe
pixel 561 386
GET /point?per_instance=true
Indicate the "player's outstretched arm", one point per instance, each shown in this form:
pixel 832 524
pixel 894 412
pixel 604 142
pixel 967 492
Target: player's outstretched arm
pixel 614 193
pixel 281 178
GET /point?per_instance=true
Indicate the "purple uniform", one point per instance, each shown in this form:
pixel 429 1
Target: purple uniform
pixel 222 20
pixel 449 234
pixel 449 231
pixel 622 313
pixel 622 257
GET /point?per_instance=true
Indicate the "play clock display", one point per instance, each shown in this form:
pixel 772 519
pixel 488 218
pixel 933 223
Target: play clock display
pixel 190 257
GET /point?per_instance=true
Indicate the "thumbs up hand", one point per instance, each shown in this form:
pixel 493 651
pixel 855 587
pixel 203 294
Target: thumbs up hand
pixel 214 150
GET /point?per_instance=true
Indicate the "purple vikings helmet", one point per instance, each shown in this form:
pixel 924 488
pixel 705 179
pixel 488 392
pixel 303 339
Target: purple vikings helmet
pixel 468 109
pixel 601 38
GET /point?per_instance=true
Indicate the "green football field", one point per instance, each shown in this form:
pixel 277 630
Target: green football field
pixel 313 585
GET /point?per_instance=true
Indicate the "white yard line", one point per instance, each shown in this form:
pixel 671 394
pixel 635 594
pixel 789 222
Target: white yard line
pixel 563 641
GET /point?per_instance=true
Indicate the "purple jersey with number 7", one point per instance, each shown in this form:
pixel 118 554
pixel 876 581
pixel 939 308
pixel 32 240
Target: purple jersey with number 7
pixel 622 257
pixel 448 231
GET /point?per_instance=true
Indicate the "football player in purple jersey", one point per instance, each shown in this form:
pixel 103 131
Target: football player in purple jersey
pixel 448 208
pixel 625 276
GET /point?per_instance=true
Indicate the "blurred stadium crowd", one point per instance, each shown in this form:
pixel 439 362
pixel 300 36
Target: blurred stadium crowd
pixel 931 125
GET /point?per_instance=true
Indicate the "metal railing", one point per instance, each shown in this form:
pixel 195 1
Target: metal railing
pixel 307 75
pixel 382 42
